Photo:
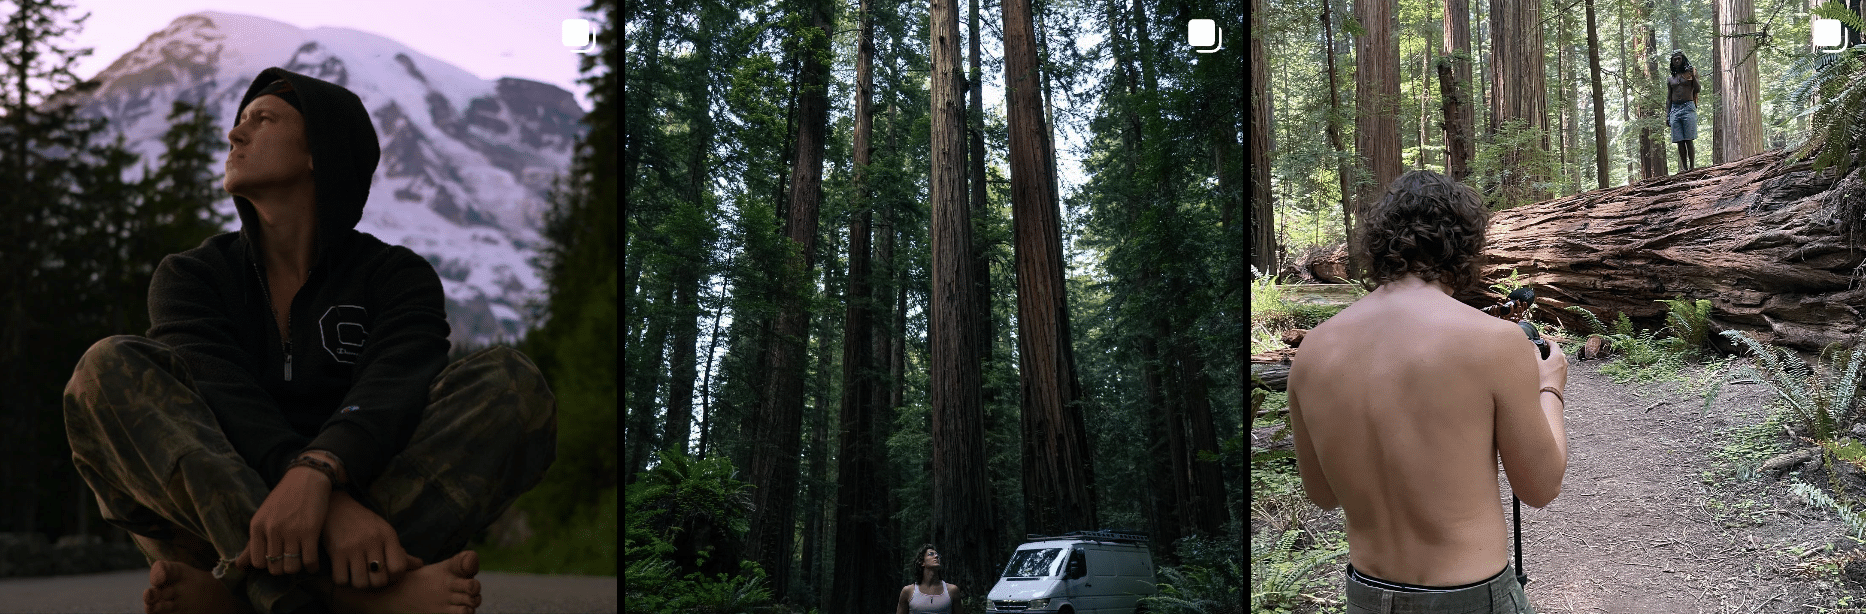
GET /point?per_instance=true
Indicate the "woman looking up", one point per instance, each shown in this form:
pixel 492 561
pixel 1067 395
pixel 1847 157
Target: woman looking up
pixel 929 594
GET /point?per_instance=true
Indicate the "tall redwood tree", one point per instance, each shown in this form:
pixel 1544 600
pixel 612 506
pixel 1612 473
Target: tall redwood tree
pixel 774 455
pixel 1059 484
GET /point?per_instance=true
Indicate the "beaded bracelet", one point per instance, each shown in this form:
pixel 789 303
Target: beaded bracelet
pixel 315 463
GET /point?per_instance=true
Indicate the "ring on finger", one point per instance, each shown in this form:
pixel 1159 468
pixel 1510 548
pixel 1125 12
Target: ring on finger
pixel 375 566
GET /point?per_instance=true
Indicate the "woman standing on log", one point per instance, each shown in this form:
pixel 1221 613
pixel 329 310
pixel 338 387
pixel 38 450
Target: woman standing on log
pixel 1683 116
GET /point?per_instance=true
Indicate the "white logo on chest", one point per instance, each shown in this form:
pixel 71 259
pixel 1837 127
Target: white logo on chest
pixel 343 329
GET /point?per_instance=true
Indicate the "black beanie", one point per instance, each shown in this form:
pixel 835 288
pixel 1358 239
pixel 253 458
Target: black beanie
pixel 288 95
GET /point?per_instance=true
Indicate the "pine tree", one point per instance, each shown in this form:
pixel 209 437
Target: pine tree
pixel 574 344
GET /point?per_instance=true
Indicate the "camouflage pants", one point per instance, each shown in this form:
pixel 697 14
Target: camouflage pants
pixel 151 449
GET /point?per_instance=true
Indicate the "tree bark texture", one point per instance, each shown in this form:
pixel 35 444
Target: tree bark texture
pixel 1263 211
pixel 1454 80
pixel 1163 485
pixel 1516 54
pixel 1738 84
pixel 1758 237
pixel 961 523
pixel 860 494
pixel 1059 482
pixel 1208 485
pixel 1425 83
pixel 981 212
pixel 647 387
pixel 1377 108
pixel 774 459
pixel 1717 116
pixel 1648 95
pixel 682 369
pixel 1600 106
pixel 1343 170
pixel 1660 144
pixel 690 247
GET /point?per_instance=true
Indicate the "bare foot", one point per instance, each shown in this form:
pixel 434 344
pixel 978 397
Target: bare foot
pixel 175 587
pixel 443 587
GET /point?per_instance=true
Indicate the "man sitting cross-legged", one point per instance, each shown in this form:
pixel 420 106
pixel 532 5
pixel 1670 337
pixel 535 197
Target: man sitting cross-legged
pixel 289 437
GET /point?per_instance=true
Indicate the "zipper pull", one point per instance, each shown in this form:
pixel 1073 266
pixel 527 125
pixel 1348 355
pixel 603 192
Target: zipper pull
pixel 288 361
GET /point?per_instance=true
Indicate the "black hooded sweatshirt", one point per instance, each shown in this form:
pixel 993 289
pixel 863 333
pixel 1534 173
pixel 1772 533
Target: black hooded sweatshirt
pixel 368 330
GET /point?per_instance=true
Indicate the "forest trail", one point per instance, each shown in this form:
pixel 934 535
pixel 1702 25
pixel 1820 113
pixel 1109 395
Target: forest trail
pixel 1638 530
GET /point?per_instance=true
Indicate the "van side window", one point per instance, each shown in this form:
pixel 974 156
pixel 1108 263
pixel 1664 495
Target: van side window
pixel 1078 564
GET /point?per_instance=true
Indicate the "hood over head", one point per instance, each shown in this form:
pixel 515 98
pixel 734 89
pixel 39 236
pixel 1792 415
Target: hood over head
pixel 343 144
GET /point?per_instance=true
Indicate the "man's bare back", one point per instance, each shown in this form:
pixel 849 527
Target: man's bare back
pixel 1401 405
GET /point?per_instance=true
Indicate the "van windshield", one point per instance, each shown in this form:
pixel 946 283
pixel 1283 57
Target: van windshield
pixel 1034 563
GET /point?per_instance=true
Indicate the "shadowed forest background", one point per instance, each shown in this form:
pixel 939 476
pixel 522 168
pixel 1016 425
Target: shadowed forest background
pixel 80 245
pixel 908 273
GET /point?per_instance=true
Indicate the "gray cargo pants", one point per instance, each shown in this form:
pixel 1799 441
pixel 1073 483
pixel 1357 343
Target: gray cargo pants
pixel 151 449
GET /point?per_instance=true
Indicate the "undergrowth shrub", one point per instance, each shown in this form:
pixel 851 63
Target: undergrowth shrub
pixel 669 508
pixel 1818 399
pixel 1280 573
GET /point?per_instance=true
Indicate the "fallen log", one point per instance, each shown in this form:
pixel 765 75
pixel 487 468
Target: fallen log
pixel 1771 243
pixel 1275 376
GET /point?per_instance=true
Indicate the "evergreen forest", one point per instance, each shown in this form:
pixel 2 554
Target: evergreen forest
pixel 948 274
pixel 1672 193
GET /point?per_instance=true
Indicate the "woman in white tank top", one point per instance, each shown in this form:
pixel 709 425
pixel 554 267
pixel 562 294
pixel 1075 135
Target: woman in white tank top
pixel 929 594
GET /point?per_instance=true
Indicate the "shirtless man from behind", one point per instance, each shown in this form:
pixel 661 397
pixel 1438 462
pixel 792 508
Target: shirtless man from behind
pixel 1402 403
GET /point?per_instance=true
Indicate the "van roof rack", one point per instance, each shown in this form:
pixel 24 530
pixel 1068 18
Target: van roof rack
pixel 1108 535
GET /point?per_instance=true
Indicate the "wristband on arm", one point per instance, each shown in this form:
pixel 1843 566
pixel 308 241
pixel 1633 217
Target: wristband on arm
pixel 1557 393
pixel 314 462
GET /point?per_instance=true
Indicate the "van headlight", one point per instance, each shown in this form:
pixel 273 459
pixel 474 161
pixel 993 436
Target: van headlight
pixel 1038 604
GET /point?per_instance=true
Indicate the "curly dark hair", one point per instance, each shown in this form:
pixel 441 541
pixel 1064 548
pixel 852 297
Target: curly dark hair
pixel 1680 64
pixel 1427 225
pixel 920 555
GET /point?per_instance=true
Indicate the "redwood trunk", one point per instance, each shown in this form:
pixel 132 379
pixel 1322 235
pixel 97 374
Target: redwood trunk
pixel 860 495
pixel 1059 483
pixel 961 514
pixel 1455 85
pixel 1377 108
pixel 774 459
pixel 1600 108
pixel 1756 237
pixel 1263 211
pixel 1738 85
pixel 1516 52
pixel 1343 170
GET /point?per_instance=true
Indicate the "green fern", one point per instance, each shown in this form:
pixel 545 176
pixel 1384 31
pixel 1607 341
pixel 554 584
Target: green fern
pixel 1815 497
pixel 1835 131
pixel 1689 321
pixel 1279 574
pixel 1592 320
pixel 1818 400
pixel 1835 10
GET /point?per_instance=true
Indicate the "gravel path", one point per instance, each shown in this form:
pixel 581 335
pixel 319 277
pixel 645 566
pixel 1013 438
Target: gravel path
pixel 121 591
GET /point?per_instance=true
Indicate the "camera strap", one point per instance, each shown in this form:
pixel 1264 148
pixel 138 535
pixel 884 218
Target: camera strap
pixel 1522 577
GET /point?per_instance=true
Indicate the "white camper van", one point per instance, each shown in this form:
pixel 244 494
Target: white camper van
pixel 1085 572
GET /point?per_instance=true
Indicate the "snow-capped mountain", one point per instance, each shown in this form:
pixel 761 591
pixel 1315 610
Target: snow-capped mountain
pixel 466 162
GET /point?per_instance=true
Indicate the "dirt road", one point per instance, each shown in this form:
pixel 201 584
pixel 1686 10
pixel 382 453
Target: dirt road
pixel 121 591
